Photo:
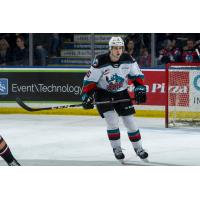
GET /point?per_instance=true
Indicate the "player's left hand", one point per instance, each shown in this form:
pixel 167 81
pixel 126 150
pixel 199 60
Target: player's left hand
pixel 140 94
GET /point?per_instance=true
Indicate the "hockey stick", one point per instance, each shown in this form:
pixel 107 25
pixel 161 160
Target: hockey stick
pixel 26 107
pixel 30 109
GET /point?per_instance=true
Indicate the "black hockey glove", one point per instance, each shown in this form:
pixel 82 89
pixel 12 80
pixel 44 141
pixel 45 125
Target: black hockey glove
pixel 140 94
pixel 87 101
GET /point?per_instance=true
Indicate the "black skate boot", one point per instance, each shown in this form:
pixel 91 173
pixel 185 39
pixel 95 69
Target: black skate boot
pixel 14 163
pixel 118 153
pixel 141 153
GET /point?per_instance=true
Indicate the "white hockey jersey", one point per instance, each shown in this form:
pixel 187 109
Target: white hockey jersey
pixel 112 76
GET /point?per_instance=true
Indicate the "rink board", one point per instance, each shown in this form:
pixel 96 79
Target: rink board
pixel 62 84
pixel 77 111
pixel 69 80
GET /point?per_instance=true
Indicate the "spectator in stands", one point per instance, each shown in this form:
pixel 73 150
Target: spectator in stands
pixel 55 45
pixel 175 51
pixel 170 53
pixel 42 44
pixel 5 53
pixel 145 58
pixel 11 38
pixel 20 53
pixel 130 48
pixel 189 54
pixel 161 39
pixel 133 43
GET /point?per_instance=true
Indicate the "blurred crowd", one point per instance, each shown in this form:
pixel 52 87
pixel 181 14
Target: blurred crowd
pixel 169 47
pixel 14 48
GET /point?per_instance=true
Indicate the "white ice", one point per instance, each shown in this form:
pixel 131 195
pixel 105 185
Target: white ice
pixel 82 140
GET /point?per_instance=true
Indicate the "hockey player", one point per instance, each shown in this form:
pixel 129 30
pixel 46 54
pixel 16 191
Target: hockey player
pixel 107 80
pixel 6 154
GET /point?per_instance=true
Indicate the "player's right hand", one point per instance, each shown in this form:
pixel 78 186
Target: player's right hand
pixel 87 101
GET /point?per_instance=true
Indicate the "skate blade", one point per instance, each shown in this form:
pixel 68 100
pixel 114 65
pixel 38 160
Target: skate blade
pixel 145 160
pixel 122 161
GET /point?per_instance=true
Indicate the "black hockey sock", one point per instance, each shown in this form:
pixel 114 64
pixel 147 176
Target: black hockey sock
pixel 5 152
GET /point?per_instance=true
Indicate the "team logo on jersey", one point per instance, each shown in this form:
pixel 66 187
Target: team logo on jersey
pixel 197 82
pixel 3 86
pixel 115 82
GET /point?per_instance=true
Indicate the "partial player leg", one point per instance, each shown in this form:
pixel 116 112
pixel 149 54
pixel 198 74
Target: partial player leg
pixel 6 154
pixel 113 132
pixel 134 136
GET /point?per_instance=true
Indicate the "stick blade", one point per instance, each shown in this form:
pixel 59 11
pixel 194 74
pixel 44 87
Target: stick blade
pixel 24 106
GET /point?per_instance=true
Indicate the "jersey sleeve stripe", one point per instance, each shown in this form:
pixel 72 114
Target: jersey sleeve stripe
pixel 135 77
pixel 89 87
pixel 139 81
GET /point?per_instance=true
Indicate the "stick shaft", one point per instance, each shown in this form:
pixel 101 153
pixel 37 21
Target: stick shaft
pixel 30 109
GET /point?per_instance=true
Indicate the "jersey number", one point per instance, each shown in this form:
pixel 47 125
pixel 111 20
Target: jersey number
pixel 88 74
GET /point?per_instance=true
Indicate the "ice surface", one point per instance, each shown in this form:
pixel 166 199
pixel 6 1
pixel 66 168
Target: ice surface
pixel 82 140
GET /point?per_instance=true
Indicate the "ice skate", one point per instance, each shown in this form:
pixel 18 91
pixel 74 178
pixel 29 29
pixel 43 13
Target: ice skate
pixel 119 154
pixel 14 163
pixel 142 154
